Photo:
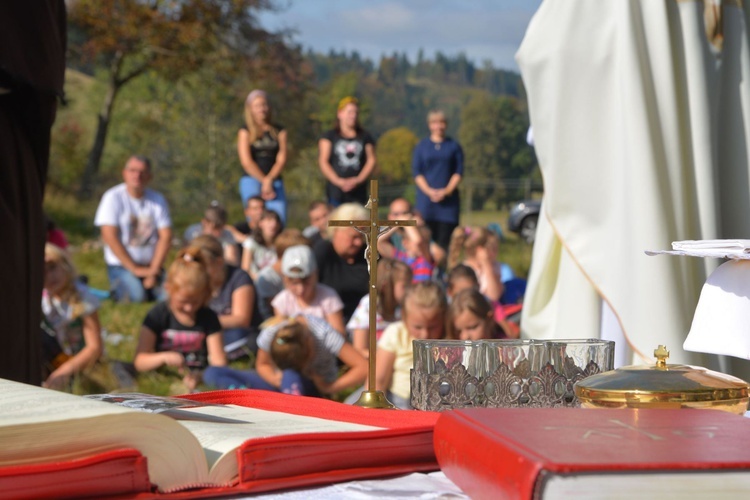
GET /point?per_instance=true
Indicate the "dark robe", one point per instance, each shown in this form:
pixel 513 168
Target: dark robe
pixel 32 71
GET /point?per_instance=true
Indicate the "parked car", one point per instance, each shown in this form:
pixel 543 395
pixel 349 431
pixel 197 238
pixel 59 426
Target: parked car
pixel 523 218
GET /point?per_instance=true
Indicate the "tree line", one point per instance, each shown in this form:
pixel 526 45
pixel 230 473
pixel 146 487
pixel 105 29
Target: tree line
pixel 168 80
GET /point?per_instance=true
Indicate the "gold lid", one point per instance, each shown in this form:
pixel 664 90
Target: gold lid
pixel 663 386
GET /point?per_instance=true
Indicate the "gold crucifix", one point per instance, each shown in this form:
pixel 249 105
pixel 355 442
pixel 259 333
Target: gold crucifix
pixel 375 228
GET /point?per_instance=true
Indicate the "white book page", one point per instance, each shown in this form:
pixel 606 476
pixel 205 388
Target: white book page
pixel 220 440
pixel 656 485
pixel 27 404
pixel 39 425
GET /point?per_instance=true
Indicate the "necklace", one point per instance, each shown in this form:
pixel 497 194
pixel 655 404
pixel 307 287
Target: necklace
pixel 437 146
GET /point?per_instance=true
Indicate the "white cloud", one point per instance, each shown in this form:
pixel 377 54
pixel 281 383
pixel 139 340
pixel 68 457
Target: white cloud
pixel 482 29
pixel 380 20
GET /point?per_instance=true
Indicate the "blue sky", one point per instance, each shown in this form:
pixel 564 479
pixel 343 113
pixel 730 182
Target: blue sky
pixel 481 29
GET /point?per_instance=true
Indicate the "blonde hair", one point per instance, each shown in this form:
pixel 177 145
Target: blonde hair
pixel 189 270
pixel 390 272
pixel 425 295
pixel 347 211
pixel 468 238
pixel 436 113
pixel 253 129
pixel 68 292
pixel 290 347
pixel 469 299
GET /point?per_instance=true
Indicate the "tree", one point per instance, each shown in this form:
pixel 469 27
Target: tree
pixel 328 97
pixel 514 153
pixel 493 135
pixel 171 39
pixel 394 155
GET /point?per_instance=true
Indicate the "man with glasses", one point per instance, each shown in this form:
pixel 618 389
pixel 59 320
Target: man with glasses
pixel 137 231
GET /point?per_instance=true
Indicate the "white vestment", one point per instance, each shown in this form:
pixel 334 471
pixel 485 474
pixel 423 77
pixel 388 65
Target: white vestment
pixel 641 127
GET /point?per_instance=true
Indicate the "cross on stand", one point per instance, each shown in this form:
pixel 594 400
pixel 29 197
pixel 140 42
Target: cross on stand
pixel 372 398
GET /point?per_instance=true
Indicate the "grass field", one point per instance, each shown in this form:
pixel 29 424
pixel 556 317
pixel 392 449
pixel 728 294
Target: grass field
pixel 121 322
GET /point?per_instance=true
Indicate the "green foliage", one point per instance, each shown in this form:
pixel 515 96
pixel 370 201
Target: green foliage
pixel 300 190
pixel 173 40
pixel 493 136
pixel 329 95
pixel 73 130
pixel 394 155
pixel 75 217
pixel 396 68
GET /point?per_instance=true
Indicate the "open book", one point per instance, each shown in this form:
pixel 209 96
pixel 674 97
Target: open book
pixel 237 440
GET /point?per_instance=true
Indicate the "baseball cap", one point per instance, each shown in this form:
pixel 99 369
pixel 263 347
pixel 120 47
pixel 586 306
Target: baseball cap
pixel 298 262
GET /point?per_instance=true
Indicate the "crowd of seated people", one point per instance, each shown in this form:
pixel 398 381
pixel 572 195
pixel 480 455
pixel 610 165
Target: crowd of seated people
pixel 304 316
pixel 287 307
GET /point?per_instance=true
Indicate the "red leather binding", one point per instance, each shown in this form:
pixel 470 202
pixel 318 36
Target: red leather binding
pixel 119 472
pixel 510 453
pixel 405 445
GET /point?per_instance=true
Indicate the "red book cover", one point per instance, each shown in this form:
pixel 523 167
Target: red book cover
pixel 103 474
pixel 521 453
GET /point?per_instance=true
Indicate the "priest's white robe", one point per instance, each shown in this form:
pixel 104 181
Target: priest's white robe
pixel 641 116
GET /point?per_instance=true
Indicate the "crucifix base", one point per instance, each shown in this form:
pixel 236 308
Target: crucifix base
pixel 374 399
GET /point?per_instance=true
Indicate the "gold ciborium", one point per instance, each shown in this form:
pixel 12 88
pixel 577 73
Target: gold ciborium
pixel 663 386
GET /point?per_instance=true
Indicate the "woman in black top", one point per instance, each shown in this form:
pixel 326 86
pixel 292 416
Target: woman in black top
pixel 346 156
pixel 232 298
pixel 261 146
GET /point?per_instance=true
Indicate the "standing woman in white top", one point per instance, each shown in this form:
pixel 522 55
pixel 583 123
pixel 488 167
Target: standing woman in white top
pixel 261 146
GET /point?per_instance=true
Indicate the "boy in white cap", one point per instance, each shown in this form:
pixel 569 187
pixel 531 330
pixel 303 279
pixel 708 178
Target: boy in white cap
pixel 303 294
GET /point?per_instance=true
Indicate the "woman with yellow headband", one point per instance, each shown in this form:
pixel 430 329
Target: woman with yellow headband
pixel 346 156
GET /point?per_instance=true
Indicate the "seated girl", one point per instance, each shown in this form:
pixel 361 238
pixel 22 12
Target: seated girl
pixel 258 251
pixel 306 348
pixel 462 278
pixel 478 247
pixel 470 317
pixel 416 252
pixel 270 282
pixel 302 294
pixel 214 224
pixel 183 332
pixel 71 331
pixel 394 277
pixel 423 318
